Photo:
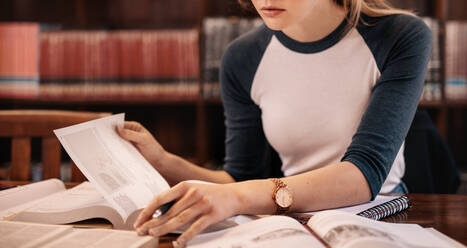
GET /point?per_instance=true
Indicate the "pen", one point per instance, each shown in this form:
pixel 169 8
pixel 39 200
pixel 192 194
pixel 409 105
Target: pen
pixel 163 209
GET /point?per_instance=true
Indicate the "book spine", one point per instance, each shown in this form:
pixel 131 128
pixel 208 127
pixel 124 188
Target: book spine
pixel 456 62
pixel 386 209
pixel 111 65
pixel 19 60
pixel 218 34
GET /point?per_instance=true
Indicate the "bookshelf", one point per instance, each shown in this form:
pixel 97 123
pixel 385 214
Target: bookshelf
pixel 194 127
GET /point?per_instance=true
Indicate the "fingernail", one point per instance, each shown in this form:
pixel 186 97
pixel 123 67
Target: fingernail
pixel 177 244
pixel 181 241
pixel 142 231
pixel 154 232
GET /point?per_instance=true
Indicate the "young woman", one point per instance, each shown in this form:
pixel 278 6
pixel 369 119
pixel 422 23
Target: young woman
pixel 331 85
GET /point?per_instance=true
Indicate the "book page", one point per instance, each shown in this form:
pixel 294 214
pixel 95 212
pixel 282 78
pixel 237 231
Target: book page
pixel 273 231
pixel 444 237
pixel 79 203
pixel 82 195
pixel 81 238
pixel 14 200
pixel 117 169
pixel 25 235
pixel 340 229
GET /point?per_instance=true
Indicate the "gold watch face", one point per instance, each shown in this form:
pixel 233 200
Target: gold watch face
pixel 284 197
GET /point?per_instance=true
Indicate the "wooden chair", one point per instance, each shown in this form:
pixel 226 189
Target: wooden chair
pixel 21 125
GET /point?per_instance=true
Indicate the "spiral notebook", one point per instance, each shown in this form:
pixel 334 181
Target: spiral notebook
pixel 387 208
pixel 381 207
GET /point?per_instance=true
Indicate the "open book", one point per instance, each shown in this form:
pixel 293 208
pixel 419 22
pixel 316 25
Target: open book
pixel 122 181
pixel 63 206
pixel 31 235
pixel 330 228
pixel 114 166
pixel 49 202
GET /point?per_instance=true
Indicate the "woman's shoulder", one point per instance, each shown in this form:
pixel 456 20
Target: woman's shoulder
pixel 393 26
pixel 250 44
pixel 252 39
pixel 395 35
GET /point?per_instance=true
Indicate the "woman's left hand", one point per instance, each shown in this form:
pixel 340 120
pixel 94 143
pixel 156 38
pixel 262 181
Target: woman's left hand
pixel 200 204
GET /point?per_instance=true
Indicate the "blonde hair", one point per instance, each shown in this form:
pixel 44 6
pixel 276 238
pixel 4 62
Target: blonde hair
pixel 354 8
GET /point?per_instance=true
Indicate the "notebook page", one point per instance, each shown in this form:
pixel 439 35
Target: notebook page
pixel 380 199
pixel 114 166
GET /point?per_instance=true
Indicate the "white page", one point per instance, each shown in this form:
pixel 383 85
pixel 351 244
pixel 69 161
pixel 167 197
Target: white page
pixel 117 169
pixel 34 193
pixel 30 192
pixel 82 238
pixel 273 231
pixel 341 229
pixel 80 196
pixel 442 236
pixel 25 235
pixel 380 199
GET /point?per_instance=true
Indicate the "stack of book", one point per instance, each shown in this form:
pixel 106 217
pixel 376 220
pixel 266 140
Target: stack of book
pixel 19 54
pixel 456 60
pixel 128 65
pixel 218 33
pixel 432 89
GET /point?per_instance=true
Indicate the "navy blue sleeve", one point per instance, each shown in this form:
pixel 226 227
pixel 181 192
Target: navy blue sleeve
pixel 246 145
pixel 402 59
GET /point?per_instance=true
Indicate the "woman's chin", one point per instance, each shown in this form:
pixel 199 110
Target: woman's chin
pixel 274 25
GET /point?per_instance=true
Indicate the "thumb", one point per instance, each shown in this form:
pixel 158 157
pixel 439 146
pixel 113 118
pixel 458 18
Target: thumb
pixel 130 135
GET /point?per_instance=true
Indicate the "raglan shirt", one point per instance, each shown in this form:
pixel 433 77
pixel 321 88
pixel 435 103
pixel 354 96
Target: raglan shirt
pixel 345 97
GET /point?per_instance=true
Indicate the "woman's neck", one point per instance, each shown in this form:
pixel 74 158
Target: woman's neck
pixel 323 19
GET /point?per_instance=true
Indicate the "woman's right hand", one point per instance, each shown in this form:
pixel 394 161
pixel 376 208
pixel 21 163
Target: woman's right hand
pixel 143 140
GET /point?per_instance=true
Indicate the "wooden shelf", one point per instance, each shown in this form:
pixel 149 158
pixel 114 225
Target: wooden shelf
pixel 103 102
pixel 461 103
pixel 213 100
pixel 437 103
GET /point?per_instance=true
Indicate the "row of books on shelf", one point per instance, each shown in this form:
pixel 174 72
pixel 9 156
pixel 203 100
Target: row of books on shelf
pixel 218 33
pixel 149 64
pixel 456 60
pixel 432 89
pixel 99 65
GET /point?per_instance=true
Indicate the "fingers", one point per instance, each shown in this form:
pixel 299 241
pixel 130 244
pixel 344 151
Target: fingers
pixel 189 198
pixel 198 226
pixel 133 125
pixel 197 204
pixel 174 193
pixel 130 135
pixel 178 221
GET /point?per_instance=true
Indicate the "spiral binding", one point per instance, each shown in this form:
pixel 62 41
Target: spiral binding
pixel 388 208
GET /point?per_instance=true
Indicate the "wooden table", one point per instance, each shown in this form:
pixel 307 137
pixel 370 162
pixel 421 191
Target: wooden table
pixel 446 213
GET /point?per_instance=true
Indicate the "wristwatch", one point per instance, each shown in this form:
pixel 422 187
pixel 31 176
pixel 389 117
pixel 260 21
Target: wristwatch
pixel 281 195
